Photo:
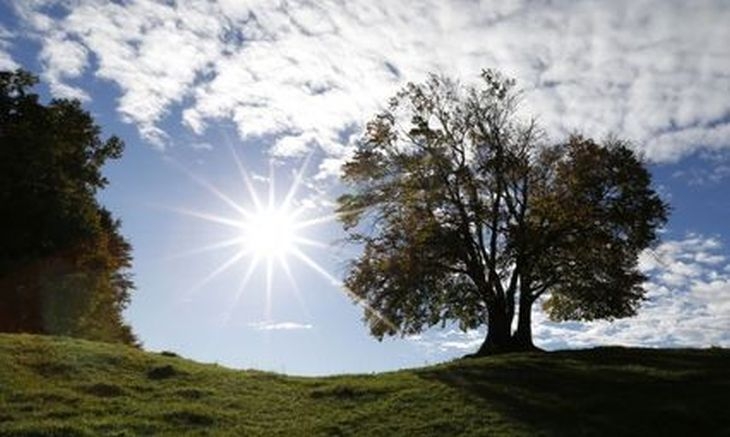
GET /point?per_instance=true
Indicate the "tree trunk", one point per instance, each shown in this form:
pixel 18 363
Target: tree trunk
pixel 498 330
pixel 522 338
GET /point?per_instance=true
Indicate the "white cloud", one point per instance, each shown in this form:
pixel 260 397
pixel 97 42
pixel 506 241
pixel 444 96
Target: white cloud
pixel 6 61
pixel 64 59
pixel 152 51
pixel 279 326
pixel 450 341
pixel 655 71
pixel 688 305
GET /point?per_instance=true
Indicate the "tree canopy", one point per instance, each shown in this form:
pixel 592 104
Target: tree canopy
pixel 465 213
pixel 64 265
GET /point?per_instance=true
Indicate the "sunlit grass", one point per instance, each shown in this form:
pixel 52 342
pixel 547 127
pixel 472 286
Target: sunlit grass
pixel 56 386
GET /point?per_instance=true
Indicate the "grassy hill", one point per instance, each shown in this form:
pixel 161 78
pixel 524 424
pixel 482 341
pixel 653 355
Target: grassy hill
pixel 59 386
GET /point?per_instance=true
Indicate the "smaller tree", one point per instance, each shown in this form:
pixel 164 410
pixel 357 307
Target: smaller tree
pixel 464 214
pixel 64 264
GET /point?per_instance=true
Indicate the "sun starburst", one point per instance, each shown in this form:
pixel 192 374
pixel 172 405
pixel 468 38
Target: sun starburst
pixel 267 233
pixel 270 233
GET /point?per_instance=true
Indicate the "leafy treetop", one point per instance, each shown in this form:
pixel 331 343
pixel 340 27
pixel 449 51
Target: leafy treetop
pixel 466 214
pixel 64 264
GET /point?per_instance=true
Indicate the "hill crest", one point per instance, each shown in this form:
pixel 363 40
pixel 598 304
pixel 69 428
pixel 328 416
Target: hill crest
pixel 61 386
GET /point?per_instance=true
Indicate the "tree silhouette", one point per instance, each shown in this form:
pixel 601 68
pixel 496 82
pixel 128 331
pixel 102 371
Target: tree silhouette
pixel 465 214
pixel 64 264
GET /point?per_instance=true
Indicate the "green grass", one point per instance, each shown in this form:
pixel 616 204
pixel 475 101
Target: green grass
pixel 63 387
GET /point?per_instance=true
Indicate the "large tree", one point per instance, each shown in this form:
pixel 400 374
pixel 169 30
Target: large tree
pixel 465 214
pixel 63 264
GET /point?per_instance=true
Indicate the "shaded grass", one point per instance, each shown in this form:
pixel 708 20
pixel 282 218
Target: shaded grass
pixel 605 391
pixel 59 386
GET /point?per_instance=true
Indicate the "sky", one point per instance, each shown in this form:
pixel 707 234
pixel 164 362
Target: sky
pixel 207 92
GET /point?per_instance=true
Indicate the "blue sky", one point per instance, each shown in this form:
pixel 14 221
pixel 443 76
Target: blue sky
pixel 284 84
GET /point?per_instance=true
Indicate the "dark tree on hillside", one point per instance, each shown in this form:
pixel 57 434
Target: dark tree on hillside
pixel 465 214
pixel 63 262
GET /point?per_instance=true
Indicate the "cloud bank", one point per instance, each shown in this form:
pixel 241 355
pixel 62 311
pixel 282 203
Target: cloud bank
pixel 309 73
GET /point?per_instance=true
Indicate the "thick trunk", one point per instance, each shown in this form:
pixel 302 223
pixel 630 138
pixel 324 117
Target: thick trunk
pixel 522 338
pixel 498 331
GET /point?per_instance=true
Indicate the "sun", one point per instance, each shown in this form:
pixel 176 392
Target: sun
pixel 270 233
pixel 266 232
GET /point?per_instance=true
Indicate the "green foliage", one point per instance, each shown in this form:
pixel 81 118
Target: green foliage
pixel 466 214
pixel 64 264
pixel 601 213
pixel 60 386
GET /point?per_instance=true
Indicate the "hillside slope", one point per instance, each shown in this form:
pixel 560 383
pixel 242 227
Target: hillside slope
pixel 59 386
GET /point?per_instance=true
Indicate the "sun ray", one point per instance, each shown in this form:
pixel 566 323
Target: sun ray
pixel 295 185
pixel 297 292
pixel 313 243
pixel 336 282
pixel 212 189
pixel 220 269
pixel 269 284
pixel 246 179
pixel 209 217
pixel 295 214
pixel 242 286
pixel 317 220
pixel 272 185
pixel 209 248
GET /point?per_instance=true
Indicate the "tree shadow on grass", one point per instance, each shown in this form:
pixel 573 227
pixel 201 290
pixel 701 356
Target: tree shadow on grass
pixel 605 391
